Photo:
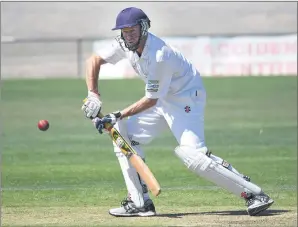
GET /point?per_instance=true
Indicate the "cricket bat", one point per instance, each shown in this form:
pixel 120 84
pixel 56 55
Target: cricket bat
pixel 135 160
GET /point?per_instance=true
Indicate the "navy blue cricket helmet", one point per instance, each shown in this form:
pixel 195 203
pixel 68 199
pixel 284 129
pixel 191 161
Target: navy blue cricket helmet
pixel 130 17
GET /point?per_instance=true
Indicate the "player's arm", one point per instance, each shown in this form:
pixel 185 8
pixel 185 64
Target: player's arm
pixel 112 55
pixel 92 104
pixel 141 105
pixel 93 65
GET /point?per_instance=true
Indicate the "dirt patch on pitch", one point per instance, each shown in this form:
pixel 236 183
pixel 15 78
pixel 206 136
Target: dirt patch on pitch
pixel 98 216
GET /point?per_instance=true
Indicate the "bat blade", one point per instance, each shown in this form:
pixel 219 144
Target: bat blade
pixel 146 174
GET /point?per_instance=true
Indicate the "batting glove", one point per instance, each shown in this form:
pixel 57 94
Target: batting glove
pixel 92 105
pixel 99 125
pixel 111 118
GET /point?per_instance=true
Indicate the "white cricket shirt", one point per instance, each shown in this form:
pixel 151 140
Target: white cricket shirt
pixel 165 71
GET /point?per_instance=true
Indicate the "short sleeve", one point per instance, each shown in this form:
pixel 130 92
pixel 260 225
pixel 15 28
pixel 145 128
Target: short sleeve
pixel 160 76
pixel 111 53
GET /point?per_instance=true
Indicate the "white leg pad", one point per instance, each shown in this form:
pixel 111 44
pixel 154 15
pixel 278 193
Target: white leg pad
pixel 132 180
pixel 197 161
pixel 131 177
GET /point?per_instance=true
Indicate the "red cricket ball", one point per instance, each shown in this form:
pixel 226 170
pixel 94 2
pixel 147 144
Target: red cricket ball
pixel 43 125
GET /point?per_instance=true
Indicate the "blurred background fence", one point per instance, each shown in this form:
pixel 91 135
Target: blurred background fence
pixel 53 39
pixel 54 57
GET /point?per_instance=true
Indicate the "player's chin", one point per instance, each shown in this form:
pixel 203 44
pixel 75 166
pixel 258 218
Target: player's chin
pixel 131 43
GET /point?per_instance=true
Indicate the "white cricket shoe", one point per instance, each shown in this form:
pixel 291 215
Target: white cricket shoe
pixel 258 203
pixel 128 209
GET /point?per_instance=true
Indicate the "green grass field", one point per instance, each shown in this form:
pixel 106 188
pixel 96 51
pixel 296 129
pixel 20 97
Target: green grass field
pixel 69 175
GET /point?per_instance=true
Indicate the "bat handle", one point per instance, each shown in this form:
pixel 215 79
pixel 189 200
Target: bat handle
pixel 100 115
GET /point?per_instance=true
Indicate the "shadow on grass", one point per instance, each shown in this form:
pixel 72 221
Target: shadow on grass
pixel 223 213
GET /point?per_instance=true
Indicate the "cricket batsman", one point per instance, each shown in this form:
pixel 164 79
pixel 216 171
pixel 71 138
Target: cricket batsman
pixel 174 98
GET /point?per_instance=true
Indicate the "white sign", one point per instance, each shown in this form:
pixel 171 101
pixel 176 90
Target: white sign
pixel 250 55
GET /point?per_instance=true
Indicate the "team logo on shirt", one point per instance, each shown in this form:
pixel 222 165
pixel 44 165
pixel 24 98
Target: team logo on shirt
pixel 152 85
pixel 187 109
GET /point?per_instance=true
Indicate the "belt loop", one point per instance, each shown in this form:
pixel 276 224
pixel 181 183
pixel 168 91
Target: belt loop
pixel 196 92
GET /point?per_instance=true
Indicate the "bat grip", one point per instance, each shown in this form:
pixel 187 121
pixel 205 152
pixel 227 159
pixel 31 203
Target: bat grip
pixel 100 115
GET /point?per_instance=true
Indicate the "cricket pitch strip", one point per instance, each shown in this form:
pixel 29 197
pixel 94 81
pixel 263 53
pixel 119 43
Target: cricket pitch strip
pixel 180 216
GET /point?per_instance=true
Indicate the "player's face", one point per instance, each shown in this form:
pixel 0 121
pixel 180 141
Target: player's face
pixel 132 34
